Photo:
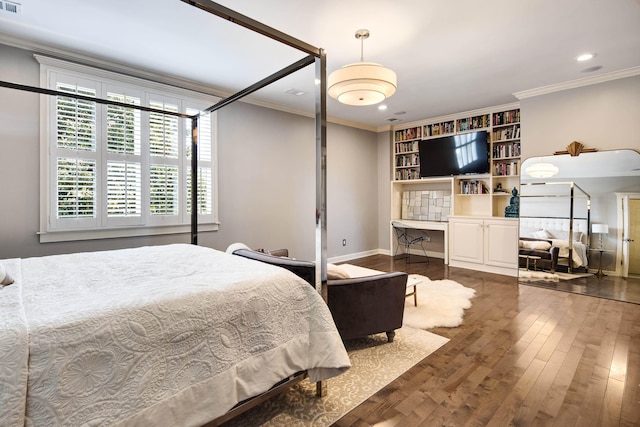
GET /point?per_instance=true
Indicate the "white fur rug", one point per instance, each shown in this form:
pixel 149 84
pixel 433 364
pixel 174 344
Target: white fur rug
pixel 441 303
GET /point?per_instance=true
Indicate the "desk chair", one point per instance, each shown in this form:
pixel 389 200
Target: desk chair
pixel 407 237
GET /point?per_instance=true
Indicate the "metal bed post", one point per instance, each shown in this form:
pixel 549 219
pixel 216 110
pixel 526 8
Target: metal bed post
pixel 194 179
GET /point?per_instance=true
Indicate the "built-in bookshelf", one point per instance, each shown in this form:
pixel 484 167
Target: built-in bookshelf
pixel 439 129
pixel 505 142
pixel 476 195
pixel 472 186
pixel 473 123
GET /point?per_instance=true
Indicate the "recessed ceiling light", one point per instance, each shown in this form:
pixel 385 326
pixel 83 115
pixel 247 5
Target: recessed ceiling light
pixel 586 56
pixel 382 107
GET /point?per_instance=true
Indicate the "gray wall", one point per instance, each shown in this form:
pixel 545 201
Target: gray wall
pixel 602 116
pixel 266 179
pixel 266 189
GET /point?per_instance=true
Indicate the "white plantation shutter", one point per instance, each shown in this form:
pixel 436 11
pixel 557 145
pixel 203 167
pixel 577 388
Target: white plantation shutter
pixel 124 189
pixel 112 166
pixel 205 176
pixel 123 126
pixel 164 184
pixel 123 153
pixel 163 131
pixel 164 170
pixel 76 184
pixel 204 191
pixel 76 119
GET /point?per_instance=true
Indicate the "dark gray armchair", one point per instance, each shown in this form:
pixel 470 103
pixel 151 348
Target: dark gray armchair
pixel 360 306
pixel 368 305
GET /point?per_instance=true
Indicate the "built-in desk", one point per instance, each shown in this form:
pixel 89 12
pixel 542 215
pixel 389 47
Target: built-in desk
pixel 422 225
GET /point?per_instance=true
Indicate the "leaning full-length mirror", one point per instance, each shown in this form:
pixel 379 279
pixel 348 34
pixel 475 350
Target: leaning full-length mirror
pixel 580 222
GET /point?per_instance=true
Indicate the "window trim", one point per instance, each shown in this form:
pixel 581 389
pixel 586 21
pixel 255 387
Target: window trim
pixel 46 234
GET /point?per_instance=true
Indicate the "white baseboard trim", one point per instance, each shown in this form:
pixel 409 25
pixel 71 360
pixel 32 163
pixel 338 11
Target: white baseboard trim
pixel 349 257
pixel 356 255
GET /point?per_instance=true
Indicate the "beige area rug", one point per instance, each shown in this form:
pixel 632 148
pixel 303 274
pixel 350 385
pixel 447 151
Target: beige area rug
pixel 441 303
pixel 375 363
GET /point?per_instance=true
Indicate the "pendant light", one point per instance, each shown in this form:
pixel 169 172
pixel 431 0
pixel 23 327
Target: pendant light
pixel 542 170
pixel 362 83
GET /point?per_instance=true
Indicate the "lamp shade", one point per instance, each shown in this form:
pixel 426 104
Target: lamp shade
pixel 600 228
pixel 542 170
pixel 362 83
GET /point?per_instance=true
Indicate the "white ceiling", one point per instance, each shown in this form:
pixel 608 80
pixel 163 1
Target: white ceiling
pixel 449 55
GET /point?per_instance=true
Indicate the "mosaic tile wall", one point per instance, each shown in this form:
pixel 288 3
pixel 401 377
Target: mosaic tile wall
pixel 426 205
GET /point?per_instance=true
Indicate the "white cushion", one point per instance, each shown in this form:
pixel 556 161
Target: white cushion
pixel 541 234
pixel 535 245
pixel 336 272
pixel 235 246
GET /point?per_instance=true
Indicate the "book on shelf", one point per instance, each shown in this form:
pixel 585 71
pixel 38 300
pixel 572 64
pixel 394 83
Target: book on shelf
pixel 473 186
pixel 511 132
pixel 506 117
pixel 405 160
pixel 505 168
pixel 406 147
pixel 502 151
pixel 436 129
pixel 408 134
pixel 470 123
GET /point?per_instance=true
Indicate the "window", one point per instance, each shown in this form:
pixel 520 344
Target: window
pixel 115 171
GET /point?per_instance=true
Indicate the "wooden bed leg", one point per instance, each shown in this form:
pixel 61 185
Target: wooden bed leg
pixel 321 388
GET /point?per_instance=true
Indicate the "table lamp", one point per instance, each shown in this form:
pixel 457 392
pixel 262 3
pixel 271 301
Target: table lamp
pixel 599 229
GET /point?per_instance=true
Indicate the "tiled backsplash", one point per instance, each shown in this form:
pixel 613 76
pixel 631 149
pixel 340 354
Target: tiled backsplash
pixel 426 205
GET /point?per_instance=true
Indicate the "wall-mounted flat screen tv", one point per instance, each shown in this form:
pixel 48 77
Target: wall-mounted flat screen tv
pixel 466 153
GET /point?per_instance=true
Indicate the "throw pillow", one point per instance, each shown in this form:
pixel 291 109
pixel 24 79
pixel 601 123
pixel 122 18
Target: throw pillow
pixel 541 234
pixel 5 277
pixel 235 246
pixel 535 245
pixel 335 272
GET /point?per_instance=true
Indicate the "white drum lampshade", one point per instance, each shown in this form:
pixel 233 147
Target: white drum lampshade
pixel 362 83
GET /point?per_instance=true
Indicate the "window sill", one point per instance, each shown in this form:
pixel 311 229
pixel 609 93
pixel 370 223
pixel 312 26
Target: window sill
pixel 115 233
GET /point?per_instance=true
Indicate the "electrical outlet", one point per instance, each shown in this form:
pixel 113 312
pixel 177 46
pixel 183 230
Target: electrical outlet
pixel 344 242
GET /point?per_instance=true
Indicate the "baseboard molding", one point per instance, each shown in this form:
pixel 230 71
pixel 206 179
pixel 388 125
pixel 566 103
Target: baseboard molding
pixel 349 257
pixel 356 255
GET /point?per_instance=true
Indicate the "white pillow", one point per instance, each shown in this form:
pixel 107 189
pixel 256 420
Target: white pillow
pixel 535 245
pixel 541 234
pixel 577 236
pixel 235 246
pixel 336 272
pixel 5 277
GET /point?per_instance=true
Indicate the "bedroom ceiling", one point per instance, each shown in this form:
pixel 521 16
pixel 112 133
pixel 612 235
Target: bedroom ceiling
pixel 450 56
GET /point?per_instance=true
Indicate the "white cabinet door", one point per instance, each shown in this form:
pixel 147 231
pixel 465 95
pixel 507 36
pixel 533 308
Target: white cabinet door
pixel 501 243
pixel 466 240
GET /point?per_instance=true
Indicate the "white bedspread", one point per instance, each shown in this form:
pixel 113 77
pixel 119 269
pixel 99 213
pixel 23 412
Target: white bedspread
pixel 578 254
pixel 163 335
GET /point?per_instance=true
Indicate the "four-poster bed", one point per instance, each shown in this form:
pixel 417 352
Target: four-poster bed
pixel 568 229
pixel 43 340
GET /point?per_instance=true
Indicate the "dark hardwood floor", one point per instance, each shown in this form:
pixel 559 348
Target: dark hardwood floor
pixel 524 356
pixel 610 287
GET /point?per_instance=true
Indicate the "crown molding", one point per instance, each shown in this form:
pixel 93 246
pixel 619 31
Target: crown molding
pixel 586 81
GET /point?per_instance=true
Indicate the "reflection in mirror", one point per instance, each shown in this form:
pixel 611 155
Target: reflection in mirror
pixel 575 204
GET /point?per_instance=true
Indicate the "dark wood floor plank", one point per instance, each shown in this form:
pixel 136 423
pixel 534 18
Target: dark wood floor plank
pixel 524 355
